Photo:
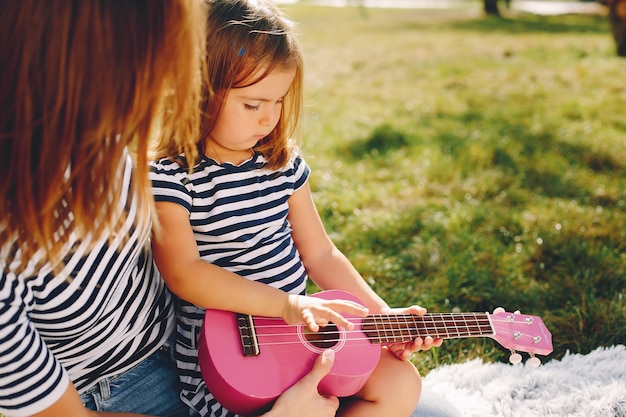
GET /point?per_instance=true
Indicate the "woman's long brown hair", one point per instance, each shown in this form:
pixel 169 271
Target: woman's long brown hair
pixel 81 82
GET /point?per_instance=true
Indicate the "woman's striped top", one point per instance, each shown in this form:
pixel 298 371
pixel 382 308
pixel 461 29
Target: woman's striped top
pixel 239 219
pixel 102 314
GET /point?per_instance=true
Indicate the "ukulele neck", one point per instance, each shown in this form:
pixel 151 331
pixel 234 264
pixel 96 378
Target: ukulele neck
pixel 383 328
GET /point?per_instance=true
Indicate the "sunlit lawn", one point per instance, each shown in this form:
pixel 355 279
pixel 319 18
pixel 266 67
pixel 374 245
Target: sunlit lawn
pixel 465 163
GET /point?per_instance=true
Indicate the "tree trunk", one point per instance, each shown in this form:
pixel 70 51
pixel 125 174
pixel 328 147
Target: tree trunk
pixel 617 17
pixel 491 7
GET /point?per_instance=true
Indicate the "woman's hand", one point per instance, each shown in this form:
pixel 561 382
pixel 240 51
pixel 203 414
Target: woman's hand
pixel 316 312
pixel 303 399
pixel 404 350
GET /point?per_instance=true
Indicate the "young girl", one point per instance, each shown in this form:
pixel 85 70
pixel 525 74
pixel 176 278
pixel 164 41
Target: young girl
pixel 242 214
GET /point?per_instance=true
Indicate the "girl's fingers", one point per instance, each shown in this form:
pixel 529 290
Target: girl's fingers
pixel 309 320
pixel 315 312
pixel 349 307
pixel 331 311
pixel 340 320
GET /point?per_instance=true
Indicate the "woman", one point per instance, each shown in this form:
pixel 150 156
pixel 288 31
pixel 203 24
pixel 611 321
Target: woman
pixel 84 315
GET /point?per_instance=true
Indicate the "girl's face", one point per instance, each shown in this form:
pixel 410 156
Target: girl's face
pixel 249 114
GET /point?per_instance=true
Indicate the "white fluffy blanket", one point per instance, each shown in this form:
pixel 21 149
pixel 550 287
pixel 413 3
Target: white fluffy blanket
pixel 591 385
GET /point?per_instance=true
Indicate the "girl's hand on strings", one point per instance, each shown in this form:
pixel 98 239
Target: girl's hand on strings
pixel 404 350
pixel 316 312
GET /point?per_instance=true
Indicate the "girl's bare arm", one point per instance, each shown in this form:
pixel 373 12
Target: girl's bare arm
pixel 210 286
pixel 325 264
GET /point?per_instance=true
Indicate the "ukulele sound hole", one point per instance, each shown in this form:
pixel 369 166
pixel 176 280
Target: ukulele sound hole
pixel 325 338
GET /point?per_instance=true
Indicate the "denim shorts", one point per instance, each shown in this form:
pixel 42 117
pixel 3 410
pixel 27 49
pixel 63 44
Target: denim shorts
pixel 151 388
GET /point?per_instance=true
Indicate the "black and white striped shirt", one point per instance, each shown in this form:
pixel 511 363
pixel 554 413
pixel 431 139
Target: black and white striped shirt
pixel 102 314
pixel 238 215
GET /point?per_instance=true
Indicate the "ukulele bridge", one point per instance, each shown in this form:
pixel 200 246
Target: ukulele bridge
pixel 247 334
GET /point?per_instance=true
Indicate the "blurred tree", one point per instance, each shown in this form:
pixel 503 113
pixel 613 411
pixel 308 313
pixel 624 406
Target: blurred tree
pixel 617 18
pixel 490 7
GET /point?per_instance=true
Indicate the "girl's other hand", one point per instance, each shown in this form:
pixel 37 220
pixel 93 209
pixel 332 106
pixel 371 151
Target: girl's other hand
pixel 316 312
pixel 404 350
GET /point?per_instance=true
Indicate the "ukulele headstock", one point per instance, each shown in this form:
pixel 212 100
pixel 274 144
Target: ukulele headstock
pixel 521 332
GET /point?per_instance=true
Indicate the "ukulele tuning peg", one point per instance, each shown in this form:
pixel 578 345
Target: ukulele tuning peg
pixel 515 357
pixel 517 312
pixel 534 361
pixel 498 310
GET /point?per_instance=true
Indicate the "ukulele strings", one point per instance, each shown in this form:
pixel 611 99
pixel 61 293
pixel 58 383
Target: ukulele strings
pixel 409 333
pixel 437 320
pixel 430 325
pixel 265 339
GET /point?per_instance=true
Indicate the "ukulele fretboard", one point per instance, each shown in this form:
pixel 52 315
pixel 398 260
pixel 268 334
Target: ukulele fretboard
pixel 382 328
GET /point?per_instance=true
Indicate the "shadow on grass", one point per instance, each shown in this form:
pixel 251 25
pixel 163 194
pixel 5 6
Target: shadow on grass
pixel 534 161
pixel 383 139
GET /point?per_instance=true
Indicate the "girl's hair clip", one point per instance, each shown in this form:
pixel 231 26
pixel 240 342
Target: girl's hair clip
pixel 241 51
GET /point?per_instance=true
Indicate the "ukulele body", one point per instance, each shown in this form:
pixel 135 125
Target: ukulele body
pixel 249 384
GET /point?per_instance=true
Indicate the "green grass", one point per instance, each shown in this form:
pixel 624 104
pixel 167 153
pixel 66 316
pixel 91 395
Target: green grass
pixel 465 163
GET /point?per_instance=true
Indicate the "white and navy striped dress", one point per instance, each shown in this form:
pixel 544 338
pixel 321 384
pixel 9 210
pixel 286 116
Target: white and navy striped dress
pixel 102 314
pixel 239 218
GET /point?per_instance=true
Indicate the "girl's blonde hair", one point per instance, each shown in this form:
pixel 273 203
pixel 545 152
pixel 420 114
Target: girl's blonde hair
pixel 82 80
pixel 246 40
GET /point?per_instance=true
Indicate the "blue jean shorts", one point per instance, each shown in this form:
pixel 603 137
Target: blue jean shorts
pixel 151 388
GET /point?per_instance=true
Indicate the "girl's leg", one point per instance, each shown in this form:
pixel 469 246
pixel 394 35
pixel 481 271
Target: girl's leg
pixel 432 404
pixel 393 389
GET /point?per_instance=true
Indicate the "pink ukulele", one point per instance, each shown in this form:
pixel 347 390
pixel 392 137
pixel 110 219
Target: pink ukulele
pixel 247 362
